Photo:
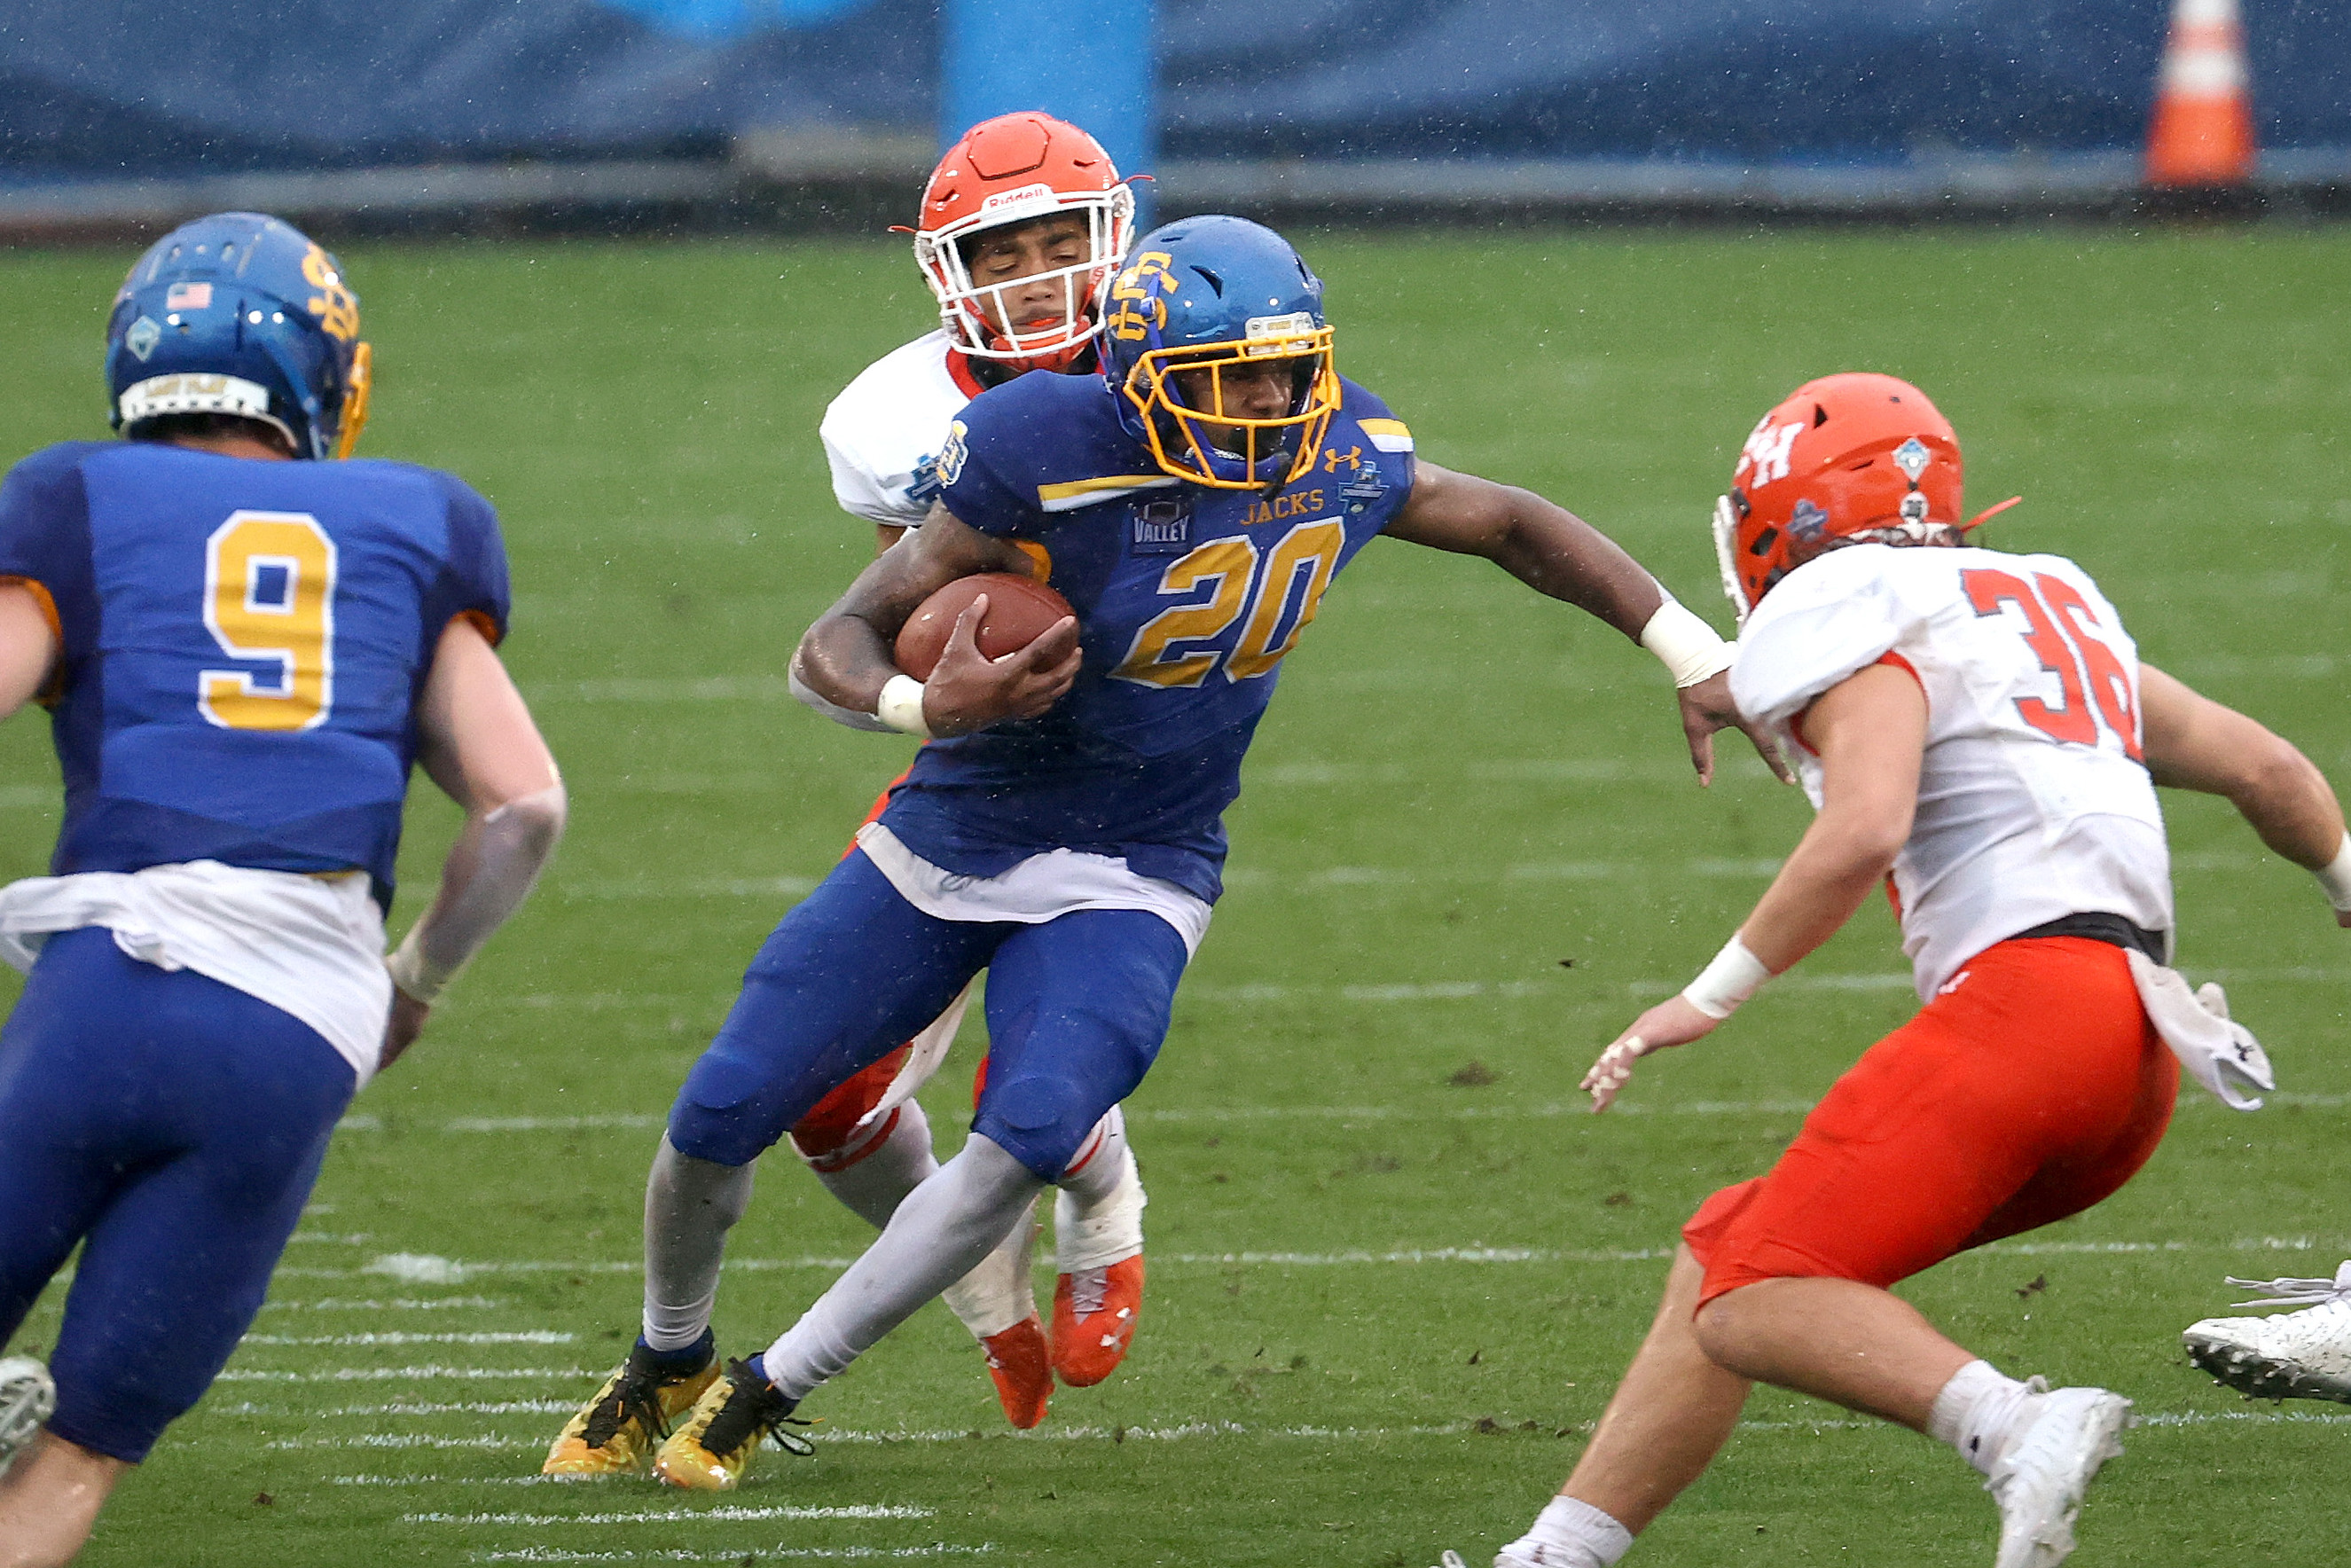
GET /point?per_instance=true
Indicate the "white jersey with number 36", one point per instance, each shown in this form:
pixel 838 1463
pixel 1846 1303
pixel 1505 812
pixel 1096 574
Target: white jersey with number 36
pixel 2033 801
pixel 883 431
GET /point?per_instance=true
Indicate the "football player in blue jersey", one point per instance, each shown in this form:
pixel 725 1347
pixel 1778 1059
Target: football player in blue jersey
pixel 244 649
pixel 1063 831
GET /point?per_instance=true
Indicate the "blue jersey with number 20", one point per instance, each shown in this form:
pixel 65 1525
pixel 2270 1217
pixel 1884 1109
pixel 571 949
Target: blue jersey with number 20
pixel 244 643
pixel 1187 599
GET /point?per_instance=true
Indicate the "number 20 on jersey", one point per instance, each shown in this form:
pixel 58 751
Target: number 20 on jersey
pixel 1230 569
pixel 269 598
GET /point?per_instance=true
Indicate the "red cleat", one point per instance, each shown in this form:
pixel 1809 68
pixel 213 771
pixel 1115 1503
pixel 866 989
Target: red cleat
pixel 1094 1313
pixel 1023 1371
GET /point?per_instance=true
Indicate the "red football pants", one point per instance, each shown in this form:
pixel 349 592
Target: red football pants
pixel 2029 1089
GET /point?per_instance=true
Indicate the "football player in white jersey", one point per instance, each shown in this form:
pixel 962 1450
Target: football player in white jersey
pixel 1978 725
pixel 1022 224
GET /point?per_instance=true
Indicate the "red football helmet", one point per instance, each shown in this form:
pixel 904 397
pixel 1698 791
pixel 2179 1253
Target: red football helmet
pixel 1009 169
pixel 1856 455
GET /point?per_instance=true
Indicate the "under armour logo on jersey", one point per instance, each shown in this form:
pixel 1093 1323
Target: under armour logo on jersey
pixel 1954 983
pixel 1767 449
pixel 1912 458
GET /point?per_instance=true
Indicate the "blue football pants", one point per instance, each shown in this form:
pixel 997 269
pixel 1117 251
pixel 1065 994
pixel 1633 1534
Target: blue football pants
pixel 1077 1008
pixel 173 1126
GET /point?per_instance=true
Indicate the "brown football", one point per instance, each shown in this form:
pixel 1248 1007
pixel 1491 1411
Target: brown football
pixel 1019 610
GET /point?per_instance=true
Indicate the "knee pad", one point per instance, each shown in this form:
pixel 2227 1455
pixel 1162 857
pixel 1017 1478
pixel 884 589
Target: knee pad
pixel 829 1137
pixel 1039 1120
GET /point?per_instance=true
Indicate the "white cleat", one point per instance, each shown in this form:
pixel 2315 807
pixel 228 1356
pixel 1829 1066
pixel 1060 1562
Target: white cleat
pixel 27 1399
pixel 2302 1354
pixel 2040 1481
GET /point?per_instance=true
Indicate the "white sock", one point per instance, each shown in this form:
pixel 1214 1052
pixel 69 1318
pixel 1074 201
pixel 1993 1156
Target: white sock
pixel 941 1230
pixel 875 1185
pixel 1570 1534
pixel 690 1204
pixel 998 1292
pixel 1979 1413
pixel 1093 1171
pixel 1098 1215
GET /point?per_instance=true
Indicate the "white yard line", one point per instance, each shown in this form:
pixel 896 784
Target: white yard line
pixel 412 1407
pixel 397 1304
pixel 455 1268
pixel 412 1440
pixel 1190 1431
pixel 737 1554
pixel 522 1337
pixel 1252 880
pixel 682 1515
pixel 1256 993
pixel 1511 1109
pixel 410 1374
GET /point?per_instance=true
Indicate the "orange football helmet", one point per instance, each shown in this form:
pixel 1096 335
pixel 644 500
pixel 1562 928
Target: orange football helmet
pixel 1009 169
pixel 1856 455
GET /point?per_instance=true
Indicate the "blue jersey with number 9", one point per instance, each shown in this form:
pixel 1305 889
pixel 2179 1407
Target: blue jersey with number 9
pixel 1188 598
pixel 243 646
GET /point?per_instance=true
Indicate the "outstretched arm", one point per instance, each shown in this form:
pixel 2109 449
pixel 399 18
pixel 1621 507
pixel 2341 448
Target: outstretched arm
pixel 1555 552
pixel 2194 743
pixel 844 662
pixel 1871 732
pixel 478 744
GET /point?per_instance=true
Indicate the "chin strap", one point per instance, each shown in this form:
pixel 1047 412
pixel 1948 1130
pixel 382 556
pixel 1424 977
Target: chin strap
pixel 1988 513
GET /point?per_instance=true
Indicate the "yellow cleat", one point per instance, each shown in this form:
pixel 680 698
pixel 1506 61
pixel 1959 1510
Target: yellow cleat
pixel 614 1433
pixel 712 1450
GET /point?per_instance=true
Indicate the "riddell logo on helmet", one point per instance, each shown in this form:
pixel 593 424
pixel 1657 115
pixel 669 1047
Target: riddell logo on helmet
pixel 1025 195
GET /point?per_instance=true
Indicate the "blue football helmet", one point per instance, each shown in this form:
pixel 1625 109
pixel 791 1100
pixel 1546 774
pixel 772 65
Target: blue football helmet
pixel 240 314
pixel 1199 299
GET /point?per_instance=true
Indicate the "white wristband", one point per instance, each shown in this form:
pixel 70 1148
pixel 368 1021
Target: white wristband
pixel 410 973
pixel 1733 977
pixel 1685 644
pixel 2335 876
pixel 901 706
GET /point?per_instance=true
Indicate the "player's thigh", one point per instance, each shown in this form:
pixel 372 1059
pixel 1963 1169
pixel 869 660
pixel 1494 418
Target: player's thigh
pixel 1077 1009
pixel 66 1131
pixel 244 1099
pixel 2033 1064
pixel 851 974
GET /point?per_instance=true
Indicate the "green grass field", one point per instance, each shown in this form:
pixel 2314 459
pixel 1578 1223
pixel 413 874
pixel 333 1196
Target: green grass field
pixel 1388 1296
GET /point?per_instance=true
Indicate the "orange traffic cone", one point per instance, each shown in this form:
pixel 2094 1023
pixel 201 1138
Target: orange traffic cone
pixel 2203 129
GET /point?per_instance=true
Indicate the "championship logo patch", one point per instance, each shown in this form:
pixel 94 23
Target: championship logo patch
pixel 144 334
pixel 1367 486
pixel 1809 521
pixel 1912 458
pixel 922 484
pixel 1162 524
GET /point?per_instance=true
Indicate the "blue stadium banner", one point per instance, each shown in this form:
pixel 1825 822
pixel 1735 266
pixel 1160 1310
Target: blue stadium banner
pixel 95 88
